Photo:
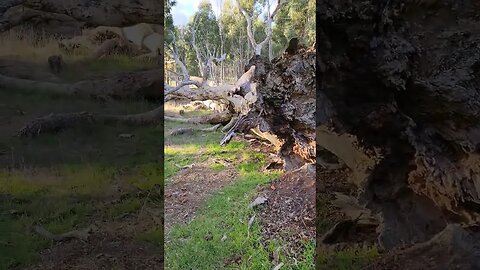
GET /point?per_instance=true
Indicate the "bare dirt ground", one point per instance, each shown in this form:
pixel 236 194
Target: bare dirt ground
pixel 111 244
pixel 288 217
pixel 189 188
pixel 290 211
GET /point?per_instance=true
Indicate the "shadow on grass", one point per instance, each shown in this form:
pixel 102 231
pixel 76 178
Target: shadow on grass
pixel 67 180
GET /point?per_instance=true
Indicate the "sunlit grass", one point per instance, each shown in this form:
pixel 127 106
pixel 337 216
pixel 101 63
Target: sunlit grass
pixel 61 181
pixel 147 176
pixel 174 110
pixel 226 212
pixel 183 150
pixel 217 167
pixel 62 199
pixel 22 45
pixel 66 180
pixel 35 48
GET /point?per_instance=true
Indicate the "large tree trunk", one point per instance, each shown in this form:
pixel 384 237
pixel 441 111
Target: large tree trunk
pixel 58 122
pixel 279 107
pixel 399 104
pixel 69 16
pixel 284 107
pixel 125 85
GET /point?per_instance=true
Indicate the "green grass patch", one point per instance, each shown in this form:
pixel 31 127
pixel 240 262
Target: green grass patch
pixel 226 213
pixel 62 199
pixel 127 206
pixel 183 150
pixel 348 259
pixel 216 167
pixel 59 199
pixel 147 176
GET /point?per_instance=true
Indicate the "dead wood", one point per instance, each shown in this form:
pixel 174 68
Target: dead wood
pixel 126 85
pixel 216 118
pixel 58 122
pixel 68 17
pixel 181 131
pixel 230 124
pixel 281 108
pixel 452 248
pixel 401 111
pixel 112 46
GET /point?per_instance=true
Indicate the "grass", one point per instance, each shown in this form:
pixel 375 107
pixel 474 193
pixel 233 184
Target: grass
pixel 226 212
pixel 183 150
pixel 55 206
pixel 106 66
pixel 347 259
pixel 62 181
pixel 60 199
pixel 35 48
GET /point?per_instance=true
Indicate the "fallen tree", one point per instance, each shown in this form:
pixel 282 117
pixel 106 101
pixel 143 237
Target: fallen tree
pixel 277 103
pixel 399 105
pixel 69 17
pixel 57 122
pixel 125 85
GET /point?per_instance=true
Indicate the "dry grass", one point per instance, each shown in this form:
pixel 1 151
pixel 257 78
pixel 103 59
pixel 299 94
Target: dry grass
pixel 27 45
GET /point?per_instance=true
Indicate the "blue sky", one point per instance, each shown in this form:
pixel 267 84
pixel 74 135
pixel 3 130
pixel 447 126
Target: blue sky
pixel 184 9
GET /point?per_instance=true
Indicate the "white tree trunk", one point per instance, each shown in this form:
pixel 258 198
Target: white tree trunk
pixel 249 18
pixel 176 57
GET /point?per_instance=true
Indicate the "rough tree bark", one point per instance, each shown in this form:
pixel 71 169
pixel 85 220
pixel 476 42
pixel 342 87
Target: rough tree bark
pixel 57 122
pixel 75 14
pixel 125 85
pixel 399 104
pixel 279 107
pixel 283 110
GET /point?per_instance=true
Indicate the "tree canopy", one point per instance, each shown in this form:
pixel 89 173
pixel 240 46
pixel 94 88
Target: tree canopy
pixel 226 33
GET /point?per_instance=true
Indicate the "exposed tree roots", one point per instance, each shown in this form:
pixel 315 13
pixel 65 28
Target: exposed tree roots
pixel 401 111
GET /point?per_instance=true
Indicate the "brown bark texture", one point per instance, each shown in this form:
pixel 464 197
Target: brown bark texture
pixel 399 103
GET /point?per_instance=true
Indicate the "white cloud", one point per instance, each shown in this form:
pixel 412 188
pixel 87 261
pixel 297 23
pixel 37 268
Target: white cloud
pixel 183 10
pixel 179 17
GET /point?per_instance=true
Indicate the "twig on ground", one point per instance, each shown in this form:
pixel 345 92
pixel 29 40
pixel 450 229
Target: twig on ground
pixel 76 234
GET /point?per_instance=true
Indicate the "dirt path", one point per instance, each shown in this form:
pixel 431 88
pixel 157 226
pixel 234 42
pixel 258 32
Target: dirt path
pixel 110 246
pixel 190 187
